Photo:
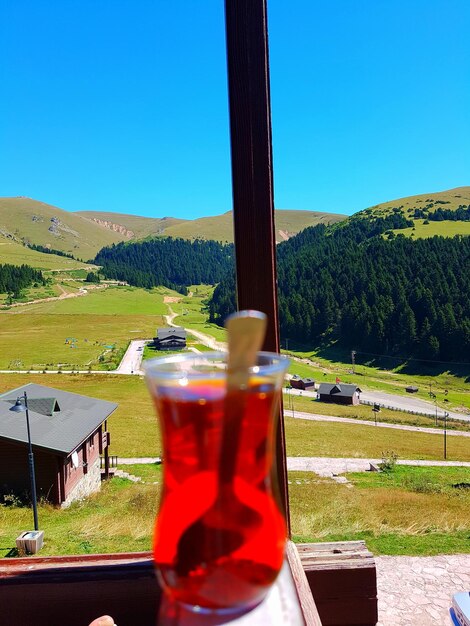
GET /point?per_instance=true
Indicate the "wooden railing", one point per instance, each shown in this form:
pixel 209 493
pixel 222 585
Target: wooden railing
pixel 74 590
pixel 113 461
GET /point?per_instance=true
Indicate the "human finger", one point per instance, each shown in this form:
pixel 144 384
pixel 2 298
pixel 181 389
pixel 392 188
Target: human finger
pixel 104 620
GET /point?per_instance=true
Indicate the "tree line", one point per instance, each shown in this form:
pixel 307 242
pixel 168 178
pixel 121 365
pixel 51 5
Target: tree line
pixel 39 248
pixel 14 278
pixel 174 263
pixel 460 214
pixel 347 284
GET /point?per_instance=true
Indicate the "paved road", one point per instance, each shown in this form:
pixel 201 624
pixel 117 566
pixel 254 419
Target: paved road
pixel 130 364
pixel 315 417
pixel 326 466
pixel 323 466
pixel 132 360
pixel 403 403
pixel 409 403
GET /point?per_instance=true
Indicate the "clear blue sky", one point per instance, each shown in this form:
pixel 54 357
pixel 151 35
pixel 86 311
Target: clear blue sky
pixel 121 105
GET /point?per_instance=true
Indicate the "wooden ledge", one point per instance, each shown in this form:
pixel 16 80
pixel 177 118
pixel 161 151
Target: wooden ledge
pixel 343 580
pixel 74 590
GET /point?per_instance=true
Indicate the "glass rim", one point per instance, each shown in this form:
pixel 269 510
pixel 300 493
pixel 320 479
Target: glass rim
pixel 152 367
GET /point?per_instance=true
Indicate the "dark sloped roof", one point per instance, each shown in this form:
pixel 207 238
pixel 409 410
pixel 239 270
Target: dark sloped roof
pixel 44 406
pixel 305 380
pixel 337 389
pixel 59 420
pixel 167 333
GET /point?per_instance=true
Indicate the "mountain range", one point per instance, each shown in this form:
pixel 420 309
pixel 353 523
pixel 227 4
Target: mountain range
pixel 84 233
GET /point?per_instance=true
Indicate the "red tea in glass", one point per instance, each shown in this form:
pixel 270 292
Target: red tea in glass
pixel 219 534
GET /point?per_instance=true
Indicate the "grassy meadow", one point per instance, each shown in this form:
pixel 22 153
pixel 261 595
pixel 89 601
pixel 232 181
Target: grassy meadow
pixel 325 366
pixel 117 519
pixel 220 227
pixel 413 511
pixel 410 511
pixel 101 324
pixel 449 199
pixel 333 439
pixel 134 431
pixel 446 228
pixel 13 253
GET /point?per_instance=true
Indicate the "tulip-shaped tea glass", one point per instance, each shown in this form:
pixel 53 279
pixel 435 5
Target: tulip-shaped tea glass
pixel 219 533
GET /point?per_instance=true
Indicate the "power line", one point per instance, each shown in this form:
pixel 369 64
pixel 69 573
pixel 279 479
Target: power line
pixel 404 358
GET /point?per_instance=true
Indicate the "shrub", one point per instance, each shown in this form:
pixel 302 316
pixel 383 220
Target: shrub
pixel 421 484
pixel 389 461
pixel 13 499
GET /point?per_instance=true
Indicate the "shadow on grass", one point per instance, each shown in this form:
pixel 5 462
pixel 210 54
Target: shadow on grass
pixel 9 553
pixel 410 366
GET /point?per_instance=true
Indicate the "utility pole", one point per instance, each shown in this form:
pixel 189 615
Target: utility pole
pixel 19 407
pixel 353 361
pixel 446 415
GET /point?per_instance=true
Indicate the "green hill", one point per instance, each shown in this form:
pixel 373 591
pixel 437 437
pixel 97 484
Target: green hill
pixel 361 285
pixel 131 226
pixel 13 253
pixel 423 209
pixel 84 233
pixel 27 220
pixel 217 227
pixel 450 199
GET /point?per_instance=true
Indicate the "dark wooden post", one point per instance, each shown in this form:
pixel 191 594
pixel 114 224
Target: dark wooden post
pixel 252 176
pixel 106 452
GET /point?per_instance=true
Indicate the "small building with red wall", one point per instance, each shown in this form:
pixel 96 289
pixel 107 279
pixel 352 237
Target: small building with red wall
pixel 301 383
pixel 339 393
pixel 68 434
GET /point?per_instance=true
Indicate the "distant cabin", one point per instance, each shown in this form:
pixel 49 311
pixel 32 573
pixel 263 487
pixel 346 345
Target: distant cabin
pixel 302 383
pixel 339 393
pixel 170 339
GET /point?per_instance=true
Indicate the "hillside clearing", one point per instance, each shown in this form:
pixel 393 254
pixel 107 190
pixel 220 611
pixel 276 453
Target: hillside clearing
pixel 446 228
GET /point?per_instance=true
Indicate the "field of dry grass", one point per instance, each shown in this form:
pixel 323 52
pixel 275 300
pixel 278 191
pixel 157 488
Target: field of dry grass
pixel 395 518
pixel 118 519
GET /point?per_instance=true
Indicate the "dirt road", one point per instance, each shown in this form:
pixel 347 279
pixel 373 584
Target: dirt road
pixel 207 340
pixel 63 296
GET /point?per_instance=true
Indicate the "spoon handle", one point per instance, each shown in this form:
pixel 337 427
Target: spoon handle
pixel 246 331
